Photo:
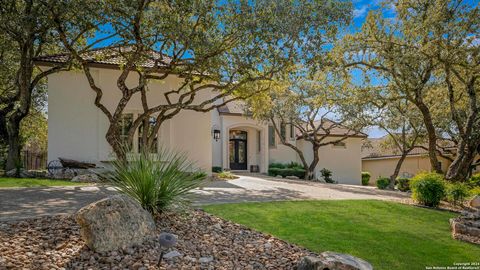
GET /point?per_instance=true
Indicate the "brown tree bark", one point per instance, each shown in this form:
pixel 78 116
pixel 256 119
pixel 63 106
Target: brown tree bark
pixel 431 133
pixel 394 176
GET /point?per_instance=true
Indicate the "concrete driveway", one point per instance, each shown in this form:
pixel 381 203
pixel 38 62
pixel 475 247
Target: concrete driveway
pixel 257 188
pixel 20 203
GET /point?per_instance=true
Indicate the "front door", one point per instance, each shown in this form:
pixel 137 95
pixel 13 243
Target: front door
pixel 238 150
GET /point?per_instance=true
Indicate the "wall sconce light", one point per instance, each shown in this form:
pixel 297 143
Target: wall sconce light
pixel 216 134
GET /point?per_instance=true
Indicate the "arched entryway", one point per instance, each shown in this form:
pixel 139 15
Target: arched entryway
pixel 238 148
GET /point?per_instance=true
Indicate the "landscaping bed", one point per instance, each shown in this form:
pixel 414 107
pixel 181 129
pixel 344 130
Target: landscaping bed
pixel 204 242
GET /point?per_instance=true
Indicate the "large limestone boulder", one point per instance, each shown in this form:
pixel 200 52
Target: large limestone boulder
pixel 333 261
pixel 466 227
pixel 113 223
pixel 475 202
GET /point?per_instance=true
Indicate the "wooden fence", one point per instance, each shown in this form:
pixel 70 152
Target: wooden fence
pixel 34 160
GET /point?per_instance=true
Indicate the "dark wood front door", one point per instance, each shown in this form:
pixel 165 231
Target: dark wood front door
pixel 238 150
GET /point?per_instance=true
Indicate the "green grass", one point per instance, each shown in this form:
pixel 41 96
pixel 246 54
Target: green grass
pixel 6 182
pixel 388 235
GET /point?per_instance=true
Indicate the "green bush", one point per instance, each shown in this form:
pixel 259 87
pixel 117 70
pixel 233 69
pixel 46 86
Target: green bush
pixel 277 165
pixel 327 175
pixel 156 181
pixel 365 178
pixel 284 172
pixel 428 188
pixel 226 175
pixel 217 169
pixel 383 182
pixel 474 191
pixel 294 164
pixel 474 181
pixel 457 193
pixel 403 184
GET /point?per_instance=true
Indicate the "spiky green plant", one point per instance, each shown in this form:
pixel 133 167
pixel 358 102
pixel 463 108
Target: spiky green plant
pixel 157 181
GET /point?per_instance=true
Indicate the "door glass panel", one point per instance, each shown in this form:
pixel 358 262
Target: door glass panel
pixel 238 134
pixel 241 151
pixel 232 151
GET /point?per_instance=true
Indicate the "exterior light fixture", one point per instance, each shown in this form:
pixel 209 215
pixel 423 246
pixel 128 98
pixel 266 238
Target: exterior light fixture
pixel 216 134
pixel 167 240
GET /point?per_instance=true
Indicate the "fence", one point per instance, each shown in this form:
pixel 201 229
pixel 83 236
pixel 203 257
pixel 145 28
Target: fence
pixel 34 160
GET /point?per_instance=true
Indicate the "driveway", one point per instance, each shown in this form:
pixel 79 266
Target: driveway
pixel 258 188
pixel 20 203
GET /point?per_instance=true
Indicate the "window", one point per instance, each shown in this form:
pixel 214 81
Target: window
pixel 259 141
pixel 283 131
pixel 126 122
pixel 292 132
pixel 142 136
pixel 340 145
pixel 271 136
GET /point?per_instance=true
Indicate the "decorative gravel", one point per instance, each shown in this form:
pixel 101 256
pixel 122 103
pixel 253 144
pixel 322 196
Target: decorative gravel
pixel 204 242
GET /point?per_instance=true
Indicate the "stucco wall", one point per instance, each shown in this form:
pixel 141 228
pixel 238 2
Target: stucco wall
pixel 412 165
pixel 77 127
pixel 345 163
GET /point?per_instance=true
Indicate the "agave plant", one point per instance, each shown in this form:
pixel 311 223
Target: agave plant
pixel 157 181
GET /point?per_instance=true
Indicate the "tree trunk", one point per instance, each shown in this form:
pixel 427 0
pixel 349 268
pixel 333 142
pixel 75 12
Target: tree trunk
pixel 460 168
pixel 432 136
pixel 394 176
pixel 14 145
pixel 310 173
pixel 113 138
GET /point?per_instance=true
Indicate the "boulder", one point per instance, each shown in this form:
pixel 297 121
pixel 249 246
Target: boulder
pixel 20 173
pixel 333 261
pixel 292 177
pixel 466 227
pixel 114 222
pixel 475 202
pixel 86 178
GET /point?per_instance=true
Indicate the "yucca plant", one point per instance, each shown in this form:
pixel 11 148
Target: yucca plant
pixel 157 181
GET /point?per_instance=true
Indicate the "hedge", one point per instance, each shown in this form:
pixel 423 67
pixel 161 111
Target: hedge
pixel 284 172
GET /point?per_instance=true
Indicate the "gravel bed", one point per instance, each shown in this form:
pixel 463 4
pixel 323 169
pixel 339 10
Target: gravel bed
pixel 204 242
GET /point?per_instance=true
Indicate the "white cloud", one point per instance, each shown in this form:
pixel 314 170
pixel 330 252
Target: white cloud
pixel 360 12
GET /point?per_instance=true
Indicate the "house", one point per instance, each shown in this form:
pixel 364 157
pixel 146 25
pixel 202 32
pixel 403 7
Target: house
pixel 380 161
pixel 226 137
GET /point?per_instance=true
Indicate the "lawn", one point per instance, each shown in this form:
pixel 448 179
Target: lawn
pixel 388 235
pixel 6 182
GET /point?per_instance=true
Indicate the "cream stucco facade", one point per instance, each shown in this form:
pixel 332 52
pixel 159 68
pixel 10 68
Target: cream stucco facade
pixel 77 130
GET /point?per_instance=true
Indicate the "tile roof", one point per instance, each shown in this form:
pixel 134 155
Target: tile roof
pixel 376 148
pixel 334 129
pixel 236 107
pixel 112 56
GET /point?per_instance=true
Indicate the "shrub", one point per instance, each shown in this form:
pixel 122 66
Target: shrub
pixel 365 178
pixel 383 182
pixel 217 169
pixel 156 181
pixel 277 165
pixel 457 193
pixel 327 175
pixel 428 188
pixel 284 172
pixel 226 175
pixel 294 164
pixel 403 184
pixel 474 181
pixel 474 191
